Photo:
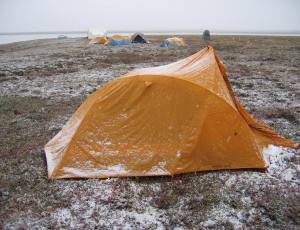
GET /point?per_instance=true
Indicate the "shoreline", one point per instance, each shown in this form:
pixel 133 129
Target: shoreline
pixel 8 38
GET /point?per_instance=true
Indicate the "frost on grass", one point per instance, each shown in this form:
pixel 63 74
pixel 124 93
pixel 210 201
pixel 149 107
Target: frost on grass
pixel 121 218
pixel 128 204
pixel 281 172
pixel 112 210
pixel 264 75
pixel 59 86
pixel 277 160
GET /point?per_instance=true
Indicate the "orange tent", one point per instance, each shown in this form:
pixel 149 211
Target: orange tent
pixel 99 40
pixel 177 118
pixel 174 41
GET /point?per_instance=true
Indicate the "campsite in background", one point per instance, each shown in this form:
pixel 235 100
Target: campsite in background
pixel 161 115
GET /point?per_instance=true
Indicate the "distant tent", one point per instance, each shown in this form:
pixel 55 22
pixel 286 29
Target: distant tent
pixel 174 41
pixel 94 33
pixel 206 35
pixel 120 40
pixel 99 40
pixel 172 119
pixel 138 38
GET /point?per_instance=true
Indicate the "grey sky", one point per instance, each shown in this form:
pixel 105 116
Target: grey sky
pixel 72 15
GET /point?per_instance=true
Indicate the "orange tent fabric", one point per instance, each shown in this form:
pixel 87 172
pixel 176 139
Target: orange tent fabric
pixel 172 119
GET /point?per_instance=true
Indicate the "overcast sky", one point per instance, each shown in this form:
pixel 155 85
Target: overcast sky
pixel 75 15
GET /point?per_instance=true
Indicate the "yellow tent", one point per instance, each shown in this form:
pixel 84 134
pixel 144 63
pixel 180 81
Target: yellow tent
pixel 174 41
pixel 99 40
pixel 120 40
pixel 178 118
pixel 120 37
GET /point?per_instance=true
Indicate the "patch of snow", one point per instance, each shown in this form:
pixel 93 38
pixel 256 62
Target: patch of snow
pixel 104 200
pixel 231 181
pixel 73 84
pixel 281 172
pixel 58 123
pixel 64 217
pixel 222 214
pixel 277 159
pixel 96 172
pixel 246 200
pixel 145 218
pixel 106 143
pixel 117 168
pixel 159 169
pixel 289 174
pixel 208 223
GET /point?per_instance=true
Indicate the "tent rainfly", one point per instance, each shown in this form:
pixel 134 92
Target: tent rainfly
pixel 138 38
pixel 166 120
pixel 174 41
pixel 120 40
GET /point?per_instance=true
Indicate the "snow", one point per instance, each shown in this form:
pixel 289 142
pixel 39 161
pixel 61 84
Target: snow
pixel 106 193
pixel 277 159
pixel 208 223
pixel 159 169
pixel 211 198
pixel 223 213
pixel 289 175
pixel 246 200
pixel 231 181
pixel 128 206
pixel 62 85
pixel 53 147
pixel 107 143
pixel 281 172
pixel 96 172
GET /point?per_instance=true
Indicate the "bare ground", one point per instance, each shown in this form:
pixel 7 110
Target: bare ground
pixel 42 83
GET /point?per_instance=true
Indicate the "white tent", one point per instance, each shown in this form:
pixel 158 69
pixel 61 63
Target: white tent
pixel 94 33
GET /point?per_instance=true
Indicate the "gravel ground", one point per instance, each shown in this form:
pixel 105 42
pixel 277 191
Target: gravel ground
pixel 42 82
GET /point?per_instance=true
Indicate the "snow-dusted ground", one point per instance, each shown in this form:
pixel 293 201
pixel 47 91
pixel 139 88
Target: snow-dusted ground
pixel 130 203
pixel 43 82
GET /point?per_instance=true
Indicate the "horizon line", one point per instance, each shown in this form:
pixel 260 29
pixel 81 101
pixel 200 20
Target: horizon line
pixel 159 31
